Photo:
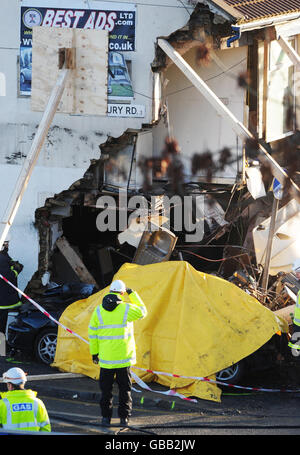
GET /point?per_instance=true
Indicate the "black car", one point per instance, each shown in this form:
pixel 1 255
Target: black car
pixel 32 332
pixel 260 360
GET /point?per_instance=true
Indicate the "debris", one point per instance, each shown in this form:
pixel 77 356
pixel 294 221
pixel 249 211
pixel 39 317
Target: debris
pixel 75 261
pixel 156 246
pixel 286 234
pixel 215 304
pixel 254 182
pixel 286 313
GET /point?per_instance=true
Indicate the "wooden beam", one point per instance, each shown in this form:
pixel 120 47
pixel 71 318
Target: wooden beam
pixel 33 155
pixel 265 277
pixel 46 377
pixel 67 58
pixel 88 81
pixel 75 261
pixel 290 51
pixel 265 90
pixel 237 126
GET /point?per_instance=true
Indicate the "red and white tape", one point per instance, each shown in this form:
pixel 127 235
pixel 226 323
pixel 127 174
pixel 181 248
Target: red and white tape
pixel 205 379
pixel 135 377
pixel 42 309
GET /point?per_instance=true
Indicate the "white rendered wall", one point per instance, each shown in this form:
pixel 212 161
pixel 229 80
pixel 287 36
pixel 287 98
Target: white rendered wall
pixel 44 182
pixel 73 140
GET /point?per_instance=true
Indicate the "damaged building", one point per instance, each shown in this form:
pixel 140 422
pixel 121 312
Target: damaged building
pixel 210 124
pixel 73 140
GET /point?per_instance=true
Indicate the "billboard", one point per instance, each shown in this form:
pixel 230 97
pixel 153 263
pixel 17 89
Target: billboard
pixel 117 18
pixel 119 83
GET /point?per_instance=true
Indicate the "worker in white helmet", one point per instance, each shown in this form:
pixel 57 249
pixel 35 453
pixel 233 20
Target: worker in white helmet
pixel 294 343
pixel 20 409
pixel 112 346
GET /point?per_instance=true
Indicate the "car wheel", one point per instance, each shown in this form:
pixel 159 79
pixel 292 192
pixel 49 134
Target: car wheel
pixel 45 346
pixel 232 374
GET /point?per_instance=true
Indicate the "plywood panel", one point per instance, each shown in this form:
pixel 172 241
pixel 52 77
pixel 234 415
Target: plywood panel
pixel 86 88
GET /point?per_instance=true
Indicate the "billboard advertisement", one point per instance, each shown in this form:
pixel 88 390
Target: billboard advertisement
pixel 117 18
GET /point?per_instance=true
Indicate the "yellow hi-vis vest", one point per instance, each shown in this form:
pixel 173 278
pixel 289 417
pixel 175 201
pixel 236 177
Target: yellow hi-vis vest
pixel 111 332
pixel 20 410
pixel 295 340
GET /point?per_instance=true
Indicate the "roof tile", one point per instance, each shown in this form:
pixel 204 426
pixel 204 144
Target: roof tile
pixel 259 9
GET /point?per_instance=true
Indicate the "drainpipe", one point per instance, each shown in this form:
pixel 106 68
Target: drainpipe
pixel 235 37
pixel 261 23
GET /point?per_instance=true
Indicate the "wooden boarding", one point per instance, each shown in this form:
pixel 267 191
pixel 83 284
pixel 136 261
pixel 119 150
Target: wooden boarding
pixel 75 261
pixel 86 89
pixel 69 74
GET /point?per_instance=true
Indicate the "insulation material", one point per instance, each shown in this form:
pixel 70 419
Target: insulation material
pixel 255 182
pixel 197 325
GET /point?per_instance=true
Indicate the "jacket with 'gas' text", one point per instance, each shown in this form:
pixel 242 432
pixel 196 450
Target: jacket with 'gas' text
pixel 22 410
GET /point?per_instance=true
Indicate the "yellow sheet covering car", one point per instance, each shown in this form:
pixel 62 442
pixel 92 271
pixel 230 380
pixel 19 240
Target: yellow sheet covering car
pixel 197 325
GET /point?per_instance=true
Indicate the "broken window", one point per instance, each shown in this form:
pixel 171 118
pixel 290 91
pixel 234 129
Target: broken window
pixel 118 168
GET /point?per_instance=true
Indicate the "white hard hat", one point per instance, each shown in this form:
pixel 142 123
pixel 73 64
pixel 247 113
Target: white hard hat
pixel 117 286
pixel 296 265
pixel 15 376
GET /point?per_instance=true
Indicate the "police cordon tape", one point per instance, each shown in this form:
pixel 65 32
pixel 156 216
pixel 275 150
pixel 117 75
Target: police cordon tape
pixel 42 309
pixel 139 380
pixel 206 379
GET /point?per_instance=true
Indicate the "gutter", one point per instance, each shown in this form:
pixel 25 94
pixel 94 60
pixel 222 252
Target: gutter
pixel 247 27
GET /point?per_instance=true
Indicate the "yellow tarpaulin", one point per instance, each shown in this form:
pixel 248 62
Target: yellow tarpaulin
pixel 197 325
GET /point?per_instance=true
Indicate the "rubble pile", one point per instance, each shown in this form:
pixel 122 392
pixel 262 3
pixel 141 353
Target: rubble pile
pixel 73 250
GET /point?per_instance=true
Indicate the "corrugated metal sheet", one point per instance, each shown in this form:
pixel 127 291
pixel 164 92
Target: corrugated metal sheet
pixel 259 9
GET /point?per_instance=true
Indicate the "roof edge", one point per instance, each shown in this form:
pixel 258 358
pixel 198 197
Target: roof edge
pixel 268 21
pixel 220 4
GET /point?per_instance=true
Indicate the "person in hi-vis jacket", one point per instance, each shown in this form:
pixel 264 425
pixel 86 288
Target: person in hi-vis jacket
pixel 112 345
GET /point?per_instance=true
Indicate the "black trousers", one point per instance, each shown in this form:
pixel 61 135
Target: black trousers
pixel 123 379
pixel 3 319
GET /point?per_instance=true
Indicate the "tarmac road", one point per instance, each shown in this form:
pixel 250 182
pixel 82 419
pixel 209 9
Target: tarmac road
pixel 154 422
pixel 73 408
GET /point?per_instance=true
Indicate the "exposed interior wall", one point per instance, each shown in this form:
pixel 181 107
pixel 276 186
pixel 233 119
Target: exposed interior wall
pixel 193 121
